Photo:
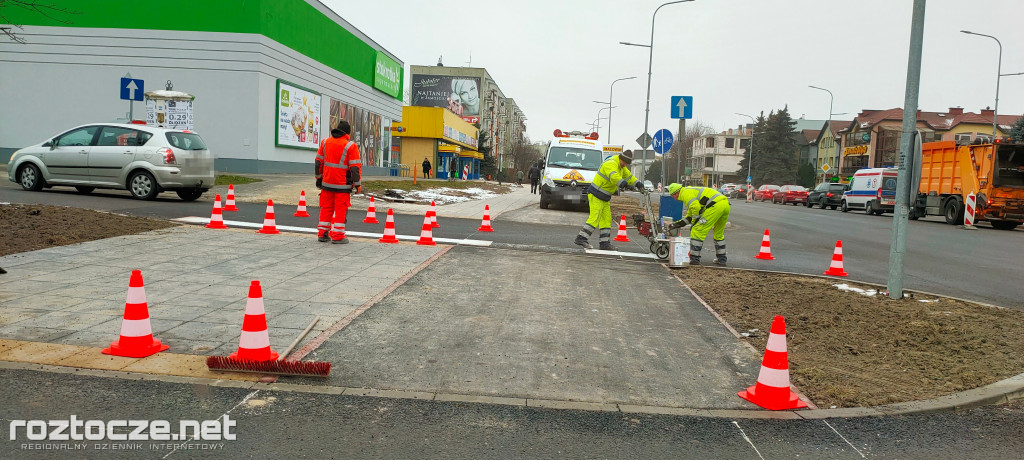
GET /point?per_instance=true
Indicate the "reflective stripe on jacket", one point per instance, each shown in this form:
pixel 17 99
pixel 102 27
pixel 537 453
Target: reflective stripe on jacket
pixel 690 196
pixel 609 178
pixel 338 164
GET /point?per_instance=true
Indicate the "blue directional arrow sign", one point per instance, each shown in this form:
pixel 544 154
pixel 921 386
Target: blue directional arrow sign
pixel 682 107
pixel 132 89
pixel 662 141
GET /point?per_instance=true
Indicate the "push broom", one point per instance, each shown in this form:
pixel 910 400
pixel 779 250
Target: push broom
pixel 278 367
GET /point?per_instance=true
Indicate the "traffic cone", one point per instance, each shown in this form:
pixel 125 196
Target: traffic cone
pixel 136 339
pixel 371 214
pixel 836 267
pixel 485 226
pixel 389 229
pixel 427 234
pixel 301 211
pixel 229 205
pixel 621 236
pixel 217 218
pixel 254 344
pixel 432 212
pixel 269 226
pixel 772 390
pixel 766 248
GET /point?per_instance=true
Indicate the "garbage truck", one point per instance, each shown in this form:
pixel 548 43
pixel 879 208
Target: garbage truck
pixel 993 172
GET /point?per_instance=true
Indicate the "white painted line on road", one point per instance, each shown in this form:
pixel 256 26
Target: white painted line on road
pixel 243 401
pixel 844 439
pixel 620 254
pixel 748 440
pixel 289 228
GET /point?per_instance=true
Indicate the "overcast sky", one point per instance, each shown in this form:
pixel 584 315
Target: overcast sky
pixel 555 57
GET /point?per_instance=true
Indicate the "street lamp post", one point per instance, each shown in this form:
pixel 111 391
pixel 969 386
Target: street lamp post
pixel 830 100
pixel 610 92
pixel 650 64
pixel 750 152
pixel 999 72
pixel 597 125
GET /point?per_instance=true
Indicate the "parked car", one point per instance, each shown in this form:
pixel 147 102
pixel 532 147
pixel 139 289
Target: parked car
pixel 141 159
pixel 765 192
pixel 873 190
pixel 648 185
pixel 827 194
pixel 795 194
pixel 741 191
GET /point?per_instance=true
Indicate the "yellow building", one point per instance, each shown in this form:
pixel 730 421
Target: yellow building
pixel 828 150
pixel 441 137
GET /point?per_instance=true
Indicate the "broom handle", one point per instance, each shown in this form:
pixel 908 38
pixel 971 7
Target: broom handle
pixel 299 338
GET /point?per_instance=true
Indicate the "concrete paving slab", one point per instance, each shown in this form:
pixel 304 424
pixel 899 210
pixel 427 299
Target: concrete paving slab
pixel 44 302
pixel 90 338
pixel 66 320
pixel 93 358
pixel 33 334
pixel 13 315
pixel 41 353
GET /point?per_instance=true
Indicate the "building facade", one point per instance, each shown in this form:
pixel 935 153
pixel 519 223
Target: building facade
pixel 438 135
pixel 715 158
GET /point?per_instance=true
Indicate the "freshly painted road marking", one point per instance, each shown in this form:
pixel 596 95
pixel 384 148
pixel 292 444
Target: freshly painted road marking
pixel 288 228
pixel 748 440
pixel 620 254
pixel 844 439
pixel 243 401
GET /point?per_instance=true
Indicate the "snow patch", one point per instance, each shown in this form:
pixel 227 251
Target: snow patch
pixel 848 288
pixel 448 195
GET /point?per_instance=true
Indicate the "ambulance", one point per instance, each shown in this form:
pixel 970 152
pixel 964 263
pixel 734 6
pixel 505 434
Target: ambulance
pixel 570 166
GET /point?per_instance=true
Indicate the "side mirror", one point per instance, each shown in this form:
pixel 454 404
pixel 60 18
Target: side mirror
pixel 52 144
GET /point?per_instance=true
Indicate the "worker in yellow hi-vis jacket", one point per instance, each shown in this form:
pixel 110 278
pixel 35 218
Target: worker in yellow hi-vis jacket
pixel 613 174
pixel 706 209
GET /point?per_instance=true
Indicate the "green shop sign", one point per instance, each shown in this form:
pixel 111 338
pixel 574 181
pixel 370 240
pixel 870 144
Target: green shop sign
pixel 387 76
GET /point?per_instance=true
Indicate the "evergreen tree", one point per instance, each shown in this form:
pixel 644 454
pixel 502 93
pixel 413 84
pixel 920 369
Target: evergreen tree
pixel 1017 131
pixel 488 165
pixel 807 175
pixel 653 172
pixel 774 156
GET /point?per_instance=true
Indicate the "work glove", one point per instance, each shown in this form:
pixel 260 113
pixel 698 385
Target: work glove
pixel 319 183
pixel 679 223
pixel 639 186
pixel 703 221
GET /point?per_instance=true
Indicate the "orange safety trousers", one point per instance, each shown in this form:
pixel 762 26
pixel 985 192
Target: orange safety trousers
pixel 333 210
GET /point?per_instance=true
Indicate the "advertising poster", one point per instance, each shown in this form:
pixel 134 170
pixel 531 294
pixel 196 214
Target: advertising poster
pixel 170 114
pixel 366 130
pixel 461 95
pixel 298 116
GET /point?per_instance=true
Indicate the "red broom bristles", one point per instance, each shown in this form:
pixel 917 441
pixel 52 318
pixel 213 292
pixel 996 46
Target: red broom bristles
pixel 299 368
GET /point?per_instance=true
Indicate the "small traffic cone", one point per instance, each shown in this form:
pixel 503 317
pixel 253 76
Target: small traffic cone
pixel 485 226
pixel 229 205
pixel 432 212
pixel 389 229
pixel 301 211
pixel 136 339
pixel 621 236
pixel 371 214
pixel 427 234
pixel 766 248
pixel 217 218
pixel 269 225
pixel 254 344
pixel 772 390
pixel 836 267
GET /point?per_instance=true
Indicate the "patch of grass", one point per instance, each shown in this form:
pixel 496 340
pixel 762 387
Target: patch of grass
pixel 226 179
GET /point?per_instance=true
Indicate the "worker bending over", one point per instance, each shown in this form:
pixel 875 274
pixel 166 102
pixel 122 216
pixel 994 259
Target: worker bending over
pixel 613 174
pixel 706 209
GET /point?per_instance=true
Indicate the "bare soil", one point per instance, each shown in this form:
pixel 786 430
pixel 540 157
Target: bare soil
pixel 847 349
pixel 30 227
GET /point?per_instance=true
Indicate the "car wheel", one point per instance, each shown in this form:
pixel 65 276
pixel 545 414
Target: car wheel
pixel 869 208
pixel 30 178
pixel 833 207
pixel 844 207
pixel 954 212
pixel 84 190
pixel 913 215
pixel 1004 224
pixel 143 186
pixel 544 203
pixel 809 204
pixel 190 194
pixel 824 204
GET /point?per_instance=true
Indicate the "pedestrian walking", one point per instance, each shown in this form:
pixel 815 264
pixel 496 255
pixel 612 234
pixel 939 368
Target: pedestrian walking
pixel 426 168
pixel 706 209
pixel 613 174
pixel 454 172
pixel 337 175
pixel 519 177
pixel 534 178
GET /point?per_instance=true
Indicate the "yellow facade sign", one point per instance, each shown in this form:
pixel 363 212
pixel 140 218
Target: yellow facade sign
pixel 858 150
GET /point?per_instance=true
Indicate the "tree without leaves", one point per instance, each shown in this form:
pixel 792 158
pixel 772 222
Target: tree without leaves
pixel 47 10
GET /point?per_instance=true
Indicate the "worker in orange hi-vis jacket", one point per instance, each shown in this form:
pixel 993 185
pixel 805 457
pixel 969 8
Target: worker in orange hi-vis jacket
pixel 337 176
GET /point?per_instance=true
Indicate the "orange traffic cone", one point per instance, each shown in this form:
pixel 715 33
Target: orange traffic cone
pixel 269 225
pixel 427 234
pixel 389 229
pixel 485 226
pixel 136 339
pixel 371 214
pixel 229 205
pixel 254 344
pixel 217 218
pixel 433 216
pixel 301 211
pixel 766 248
pixel 621 236
pixel 836 267
pixel 772 389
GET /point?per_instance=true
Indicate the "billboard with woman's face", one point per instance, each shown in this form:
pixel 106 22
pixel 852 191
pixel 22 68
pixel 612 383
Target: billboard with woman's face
pixel 461 95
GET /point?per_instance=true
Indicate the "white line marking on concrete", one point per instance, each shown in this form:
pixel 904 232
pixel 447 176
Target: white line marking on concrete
pixel 243 401
pixel 288 228
pixel 748 440
pixel 620 253
pixel 844 439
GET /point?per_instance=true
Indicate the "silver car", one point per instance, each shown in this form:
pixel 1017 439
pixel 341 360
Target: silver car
pixel 141 159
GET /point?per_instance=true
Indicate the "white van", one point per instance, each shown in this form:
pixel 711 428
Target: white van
pixel 873 190
pixel 571 165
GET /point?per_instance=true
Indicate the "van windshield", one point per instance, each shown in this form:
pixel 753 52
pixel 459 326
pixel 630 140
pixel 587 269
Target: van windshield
pixel 575 158
pixel 1009 166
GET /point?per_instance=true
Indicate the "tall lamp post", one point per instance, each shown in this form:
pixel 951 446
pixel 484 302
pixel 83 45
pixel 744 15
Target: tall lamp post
pixel 830 100
pixel 999 74
pixel 650 64
pixel 750 151
pixel 597 124
pixel 611 89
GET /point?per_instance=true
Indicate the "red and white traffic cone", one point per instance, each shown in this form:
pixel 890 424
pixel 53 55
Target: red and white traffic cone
pixel 772 390
pixel 766 248
pixel 621 236
pixel 301 211
pixel 427 234
pixel 254 343
pixel 229 205
pixel 269 225
pixel 217 218
pixel 389 229
pixel 836 267
pixel 136 339
pixel 371 214
pixel 485 226
pixel 433 216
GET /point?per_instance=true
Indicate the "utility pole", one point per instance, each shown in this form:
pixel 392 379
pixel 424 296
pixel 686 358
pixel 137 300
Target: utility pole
pixel 682 150
pixel 898 247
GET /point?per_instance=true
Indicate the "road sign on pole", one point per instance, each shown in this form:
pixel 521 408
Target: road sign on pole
pixel 644 140
pixel 132 89
pixel 662 141
pixel 682 107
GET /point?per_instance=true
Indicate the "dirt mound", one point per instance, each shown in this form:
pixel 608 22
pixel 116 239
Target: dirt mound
pixel 30 227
